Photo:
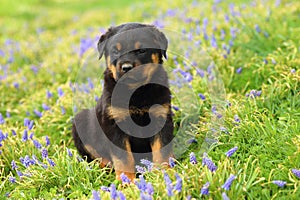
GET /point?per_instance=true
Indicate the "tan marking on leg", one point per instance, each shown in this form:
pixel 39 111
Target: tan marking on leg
pixel 119 46
pixel 155 58
pixel 122 167
pixel 94 154
pixel 137 45
pixel 156 153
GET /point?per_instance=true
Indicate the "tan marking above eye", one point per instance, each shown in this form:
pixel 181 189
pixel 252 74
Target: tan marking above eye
pixel 119 46
pixel 137 45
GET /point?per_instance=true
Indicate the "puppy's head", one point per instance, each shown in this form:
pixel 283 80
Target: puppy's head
pixel 130 45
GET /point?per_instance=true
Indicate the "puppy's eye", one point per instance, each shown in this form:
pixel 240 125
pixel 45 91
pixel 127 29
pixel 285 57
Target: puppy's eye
pixel 141 51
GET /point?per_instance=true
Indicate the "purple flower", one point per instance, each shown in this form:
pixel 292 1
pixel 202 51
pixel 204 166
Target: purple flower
pixel 204 189
pixel 105 189
pixel 13 132
pixel 125 179
pixel 224 196
pixel 49 94
pixel 239 70
pixel 63 110
pixel 228 182
pixel 31 135
pixel 51 162
pixel 37 144
pixel 69 153
pixel 147 163
pixel 45 107
pixel 16 85
pixel 279 183
pixel 140 169
pixel 257 28
pixel 201 96
pixel 13 165
pixel 2 136
pixel 47 140
pixel 158 24
pixel 296 172
pixel 44 153
pixel 293 71
pixel 144 196
pixel 2 121
pixel 85 44
pixel 167 179
pixel 30 125
pixel 113 192
pixel 142 185
pixel 230 152
pixel 121 195
pixel 178 185
pixel 170 190
pixel 19 173
pixel 37 113
pixel 236 118
pixel 209 163
pixel 26 161
pixel 96 195
pixel 176 108
pixel 90 83
pixel 171 162
pixel 25 136
pixel 12 179
pixel 150 189
pixel 193 159
pixel 60 92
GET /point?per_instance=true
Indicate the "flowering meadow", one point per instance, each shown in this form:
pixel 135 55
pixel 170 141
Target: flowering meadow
pixel 244 143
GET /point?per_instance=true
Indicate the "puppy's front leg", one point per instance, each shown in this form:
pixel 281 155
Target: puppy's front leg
pixel 124 162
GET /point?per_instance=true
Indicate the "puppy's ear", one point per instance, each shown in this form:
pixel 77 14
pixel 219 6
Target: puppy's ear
pixel 163 43
pixel 102 42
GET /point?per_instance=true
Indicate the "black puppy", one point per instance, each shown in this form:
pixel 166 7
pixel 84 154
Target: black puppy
pixel 133 119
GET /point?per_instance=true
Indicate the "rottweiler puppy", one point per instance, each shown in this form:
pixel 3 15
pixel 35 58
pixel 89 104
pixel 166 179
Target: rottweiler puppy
pixel 133 119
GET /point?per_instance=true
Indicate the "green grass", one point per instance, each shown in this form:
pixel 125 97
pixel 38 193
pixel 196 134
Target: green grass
pixel 47 35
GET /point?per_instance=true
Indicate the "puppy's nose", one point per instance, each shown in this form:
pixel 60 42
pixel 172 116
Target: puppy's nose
pixel 126 67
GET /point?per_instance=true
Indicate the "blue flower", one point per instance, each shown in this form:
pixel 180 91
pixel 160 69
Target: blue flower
pixel 239 70
pixel 296 172
pixel 205 189
pixel 178 185
pixel 113 192
pixel 70 154
pixel 2 121
pixel 176 108
pixel 144 196
pixel 170 190
pixel 236 118
pixel 63 110
pixel 19 173
pixel 26 161
pixel 2 136
pixel 60 92
pixel 12 179
pixel 147 163
pixel 193 159
pixel 31 135
pixel 44 153
pixel 150 189
pixel 85 44
pixel 231 151
pixel 257 28
pixel 51 162
pixel 37 113
pixel 279 183
pixel 13 165
pixel 125 179
pixel 47 140
pixel 96 195
pixel 209 163
pixel 105 188
pixel 201 96
pixel 45 107
pixel 121 195
pixel 90 83
pixel 228 182
pixel 49 94
pixel 25 136
pixel 224 196
pixel 140 169
pixel 293 71
pixel 37 144
pixel 171 162
pixel 142 185
pixel 13 132
pixel 167 179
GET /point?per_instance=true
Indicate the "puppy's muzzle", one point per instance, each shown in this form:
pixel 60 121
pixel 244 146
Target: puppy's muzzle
pixel 126 67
